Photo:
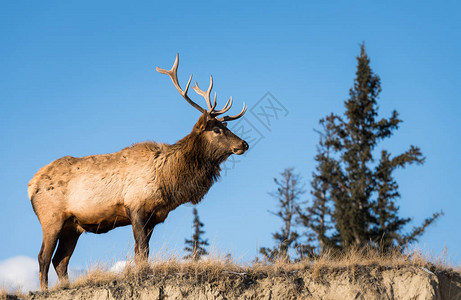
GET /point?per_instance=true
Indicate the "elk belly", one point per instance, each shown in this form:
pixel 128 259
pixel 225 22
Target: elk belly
pixel 101 220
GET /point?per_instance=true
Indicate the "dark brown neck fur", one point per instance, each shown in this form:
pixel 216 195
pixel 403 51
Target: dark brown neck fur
pixel 190 169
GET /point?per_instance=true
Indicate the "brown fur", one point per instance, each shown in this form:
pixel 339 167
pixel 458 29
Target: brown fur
pixel 138 185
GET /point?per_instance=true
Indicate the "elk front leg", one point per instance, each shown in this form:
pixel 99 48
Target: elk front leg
pixel 142 233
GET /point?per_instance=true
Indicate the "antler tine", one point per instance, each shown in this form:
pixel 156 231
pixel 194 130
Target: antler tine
pixel 206 94
pixel 226 107
pixel 173 73
pixel 230 118
pixel 214 102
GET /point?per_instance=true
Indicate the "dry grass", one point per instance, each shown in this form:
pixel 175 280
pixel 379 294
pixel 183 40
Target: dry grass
pixel 173 267
pixel 4 294
pixel 221 268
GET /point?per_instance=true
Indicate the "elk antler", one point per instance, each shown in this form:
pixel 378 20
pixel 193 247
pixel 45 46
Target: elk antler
pixel 173 73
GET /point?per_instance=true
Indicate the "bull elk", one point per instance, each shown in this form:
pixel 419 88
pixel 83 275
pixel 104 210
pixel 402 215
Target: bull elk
pixel 138 185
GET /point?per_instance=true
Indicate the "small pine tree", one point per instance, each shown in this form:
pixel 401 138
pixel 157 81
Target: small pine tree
pixel 196 245
pixel 289 190
pixel 350 188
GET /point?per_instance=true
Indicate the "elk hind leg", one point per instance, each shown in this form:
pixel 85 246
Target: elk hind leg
pixel 50 238
pixel 67 242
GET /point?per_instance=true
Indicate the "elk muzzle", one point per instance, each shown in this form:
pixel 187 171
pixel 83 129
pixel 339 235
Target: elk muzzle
pixel 241 149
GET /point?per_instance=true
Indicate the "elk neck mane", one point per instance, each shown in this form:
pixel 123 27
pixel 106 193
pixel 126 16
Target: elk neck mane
pixel 186 170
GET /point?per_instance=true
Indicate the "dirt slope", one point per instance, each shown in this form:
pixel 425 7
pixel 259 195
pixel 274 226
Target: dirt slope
pixel 356 282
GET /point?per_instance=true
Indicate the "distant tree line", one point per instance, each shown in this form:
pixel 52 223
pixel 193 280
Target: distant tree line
pixel 354 193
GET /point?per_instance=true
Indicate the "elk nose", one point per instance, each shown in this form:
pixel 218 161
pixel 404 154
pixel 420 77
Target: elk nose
pixel 245 145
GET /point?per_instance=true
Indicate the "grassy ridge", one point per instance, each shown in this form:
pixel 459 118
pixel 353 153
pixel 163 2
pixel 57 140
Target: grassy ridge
pixel 219 268
pixel 230 274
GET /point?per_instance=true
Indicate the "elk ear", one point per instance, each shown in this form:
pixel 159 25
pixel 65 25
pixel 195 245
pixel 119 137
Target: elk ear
pixel 204 120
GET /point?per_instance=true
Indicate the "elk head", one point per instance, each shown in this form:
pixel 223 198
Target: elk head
pixel 214 129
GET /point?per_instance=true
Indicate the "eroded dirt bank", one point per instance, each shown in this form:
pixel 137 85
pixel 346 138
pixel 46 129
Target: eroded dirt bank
pixel 356 282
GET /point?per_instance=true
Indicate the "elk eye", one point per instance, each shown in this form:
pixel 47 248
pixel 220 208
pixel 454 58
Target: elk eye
pixel 216 130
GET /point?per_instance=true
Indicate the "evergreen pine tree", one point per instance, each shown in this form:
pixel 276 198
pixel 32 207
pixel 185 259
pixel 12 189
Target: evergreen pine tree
pixel 289 190
pixel 196 245
pixel 349 187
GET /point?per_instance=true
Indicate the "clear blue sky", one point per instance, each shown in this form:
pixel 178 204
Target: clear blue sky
pixel 78 78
